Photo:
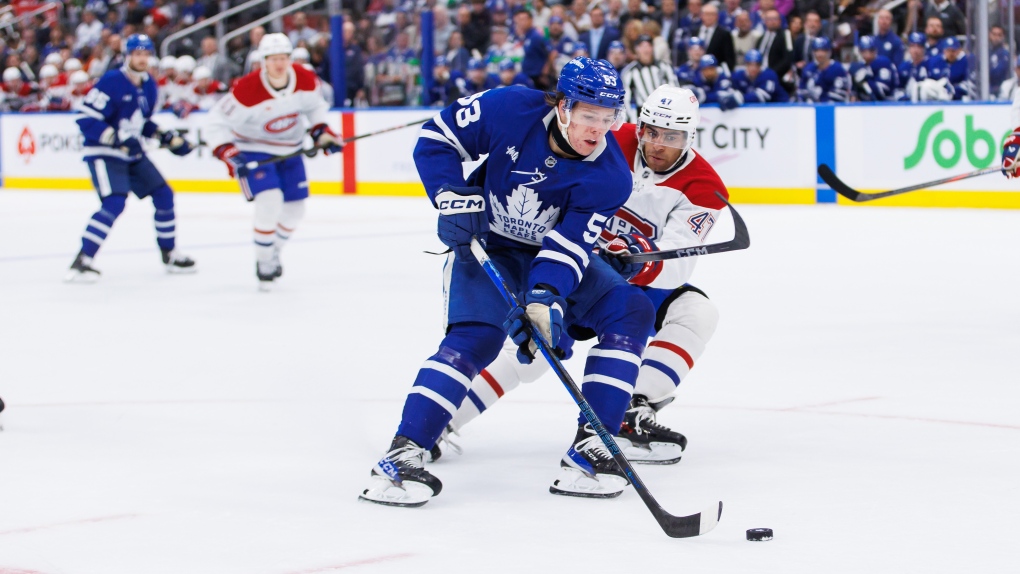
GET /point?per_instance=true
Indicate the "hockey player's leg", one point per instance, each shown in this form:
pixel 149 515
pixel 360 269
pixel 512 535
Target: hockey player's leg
pixel 166 231
pixel 95 233
pixel 687 320
pixel 621 318
pixel 291 214
pixel 268 206
pixel 294 183
pixel 400 478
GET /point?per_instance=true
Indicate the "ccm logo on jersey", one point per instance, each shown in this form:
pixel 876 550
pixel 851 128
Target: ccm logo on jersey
pixel 450 203
pixel 701 223
pixel 281 124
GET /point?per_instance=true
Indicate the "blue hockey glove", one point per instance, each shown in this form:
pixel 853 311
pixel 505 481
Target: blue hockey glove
pixel 462 215
pixel 235 160
pixel 636 273
pixel 543 308
pixel 174 142
pixel 325 139
pixel 1010 150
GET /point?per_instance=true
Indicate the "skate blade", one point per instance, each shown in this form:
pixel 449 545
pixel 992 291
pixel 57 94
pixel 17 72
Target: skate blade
pixel 181 270
pixel 573 482
pixel 383 491
pixel 660 452
pixel 265 286
pixel 82 278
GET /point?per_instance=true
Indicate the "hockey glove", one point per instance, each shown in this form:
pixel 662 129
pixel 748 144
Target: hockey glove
pixel 637 273
pixel 462 215
pixel 325 139
pixel 234 158
pixel 183 109
pixel 1010 150
pixel 543 308
pixel 174 142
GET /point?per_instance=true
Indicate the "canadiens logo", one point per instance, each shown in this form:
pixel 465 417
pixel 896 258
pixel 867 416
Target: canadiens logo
pixel 626 221
pixel 281 124
pixel 26 144
pixel 701 223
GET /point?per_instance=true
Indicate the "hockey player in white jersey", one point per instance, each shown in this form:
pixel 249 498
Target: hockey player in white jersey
pixel 672 205
pixel 268 114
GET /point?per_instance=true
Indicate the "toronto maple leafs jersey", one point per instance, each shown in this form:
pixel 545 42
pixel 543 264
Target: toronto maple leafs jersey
pixel 763 89
pixel 675 209
pixel 829 85
pixel 876 81
pixel 890 46
pixel 960 79
pixel 998 69
pixel 118 104
pixel 535 199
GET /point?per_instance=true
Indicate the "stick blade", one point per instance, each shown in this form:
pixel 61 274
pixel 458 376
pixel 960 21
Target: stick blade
pixel 829 177
pixel 690 526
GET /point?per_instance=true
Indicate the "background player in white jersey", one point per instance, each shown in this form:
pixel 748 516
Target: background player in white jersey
pixel 672 205
pixel 1011 147
pixel 267 114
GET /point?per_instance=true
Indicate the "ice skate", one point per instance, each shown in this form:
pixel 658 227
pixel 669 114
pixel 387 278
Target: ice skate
pixel 276 261
pixel 81 270
pixel 177 263
pixel 267 273
pixel 645 441
pixel 588 470
pixel 443 444
pixel 400 478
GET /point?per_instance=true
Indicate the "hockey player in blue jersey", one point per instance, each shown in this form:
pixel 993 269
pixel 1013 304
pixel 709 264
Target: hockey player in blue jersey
pixel 998 61
pixel 923 77
pixel 913 68
pixel 758 85
pixel 687 73
pixel 540 200
pixel 509 76
pixel 824 80
pixel 962 87
pixel 874 79
pixel 713 85
pixel 445 88
pixel 115 115
pixel 478 79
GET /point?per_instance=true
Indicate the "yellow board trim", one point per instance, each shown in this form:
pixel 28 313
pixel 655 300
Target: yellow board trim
pixel 971 199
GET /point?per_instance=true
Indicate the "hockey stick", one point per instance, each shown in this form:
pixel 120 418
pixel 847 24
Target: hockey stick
pixel 741 240
pixel 829 177
pixel 673 526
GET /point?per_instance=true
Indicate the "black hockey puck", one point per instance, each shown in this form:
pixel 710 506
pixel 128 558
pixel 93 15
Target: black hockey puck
pixel 759 534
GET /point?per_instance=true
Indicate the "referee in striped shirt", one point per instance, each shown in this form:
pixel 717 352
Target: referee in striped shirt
pixel 643 75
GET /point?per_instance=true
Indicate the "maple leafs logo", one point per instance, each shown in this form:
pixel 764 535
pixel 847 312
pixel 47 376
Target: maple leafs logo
pixel 523 218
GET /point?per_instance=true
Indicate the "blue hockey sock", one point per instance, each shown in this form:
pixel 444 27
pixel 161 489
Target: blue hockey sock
pixel 166 229
pixel 609 376
pixel 100 224
pixel 445 378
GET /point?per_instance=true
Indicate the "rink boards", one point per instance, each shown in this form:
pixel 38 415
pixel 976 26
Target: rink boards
pixel 765 154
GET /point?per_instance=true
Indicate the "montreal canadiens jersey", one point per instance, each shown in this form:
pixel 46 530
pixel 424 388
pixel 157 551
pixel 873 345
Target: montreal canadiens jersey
pixel 115 102
pixel 536 200
pixel 258 118
pixel 677 209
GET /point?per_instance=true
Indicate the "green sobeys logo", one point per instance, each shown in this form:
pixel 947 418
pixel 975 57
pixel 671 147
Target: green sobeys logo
pixel 948 147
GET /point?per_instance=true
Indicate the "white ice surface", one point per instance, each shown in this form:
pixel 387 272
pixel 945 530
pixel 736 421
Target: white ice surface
pixel 861 398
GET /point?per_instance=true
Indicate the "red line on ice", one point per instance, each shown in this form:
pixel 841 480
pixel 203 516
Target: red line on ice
pixel 364 562
pixel 69 523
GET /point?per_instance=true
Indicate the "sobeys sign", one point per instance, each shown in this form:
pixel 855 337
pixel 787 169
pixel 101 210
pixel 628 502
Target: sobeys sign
pixel 948 146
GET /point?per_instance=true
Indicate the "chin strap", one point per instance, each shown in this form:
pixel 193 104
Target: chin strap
pixel 559 135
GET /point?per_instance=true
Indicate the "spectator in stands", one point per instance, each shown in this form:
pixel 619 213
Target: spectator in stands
pixel 456 55
pixel 728 13
pixel 579 17
pixel 444 88
pixel 254 37
pixel 669 19
pixel 933 29
pixel 498 11
pixel 192 12
pixel 600 35
pixel 795 24
pixel 659 44
pixel 998 59
pixel 558 11
pixel 758 14
pixel 301 32
pixel 889 43
pixel 442 28
pixel 776 45
pixel 555 34
pixel 821 7
pixel 222 69
pixel 56 42
pixel 476 30
pixel 691 21
pixel 757 84
pixel 802 54
pixel 953 21
pixel 643 75
pixel 617 55
pixel 633 30
pixel 541 12
pixel 614 13
pixel 354 67
pixel 635 11
pixel 89 31
pixel 134 14
pixel 718 41
pixel 745 37
pixel 535 64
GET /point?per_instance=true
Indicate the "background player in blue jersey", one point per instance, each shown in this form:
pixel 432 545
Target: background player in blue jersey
pixel 509 76
pixel 758 85
pixel 478 79
pixel 875 79
pixel 713 85
pixel 550 183
pixel 687 73
pixel 960 83
pixel 116 115
pixel 824 80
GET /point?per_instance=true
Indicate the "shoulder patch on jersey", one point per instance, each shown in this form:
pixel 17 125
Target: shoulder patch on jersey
pixel 701 223
pixel 249 90
pixel 306 79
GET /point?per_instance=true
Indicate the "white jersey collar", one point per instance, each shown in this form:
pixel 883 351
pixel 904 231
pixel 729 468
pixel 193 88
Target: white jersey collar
pixel 286 91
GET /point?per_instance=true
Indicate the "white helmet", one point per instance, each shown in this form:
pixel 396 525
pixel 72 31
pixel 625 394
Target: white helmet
pixel 72 65
pixel 78 77
pixel 185 65
pixel 153 62
pixel 672 108
pixel 48 71
pixel 300 55
pixel 273 44
pixel 167 63
pixel 201 73
pixel 11 74
pixel 54 59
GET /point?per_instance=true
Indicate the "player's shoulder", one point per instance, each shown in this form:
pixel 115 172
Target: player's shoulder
pixel 250 90
pixel 305 79
pixel 699 182
pixel 612 169
pixel 112 80
pixel 626 137
pixel 518 98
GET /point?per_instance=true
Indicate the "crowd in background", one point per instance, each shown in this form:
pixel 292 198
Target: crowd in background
pixel 729 52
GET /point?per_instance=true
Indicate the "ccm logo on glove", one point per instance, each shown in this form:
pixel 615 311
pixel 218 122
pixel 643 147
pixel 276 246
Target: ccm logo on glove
pixel 450 203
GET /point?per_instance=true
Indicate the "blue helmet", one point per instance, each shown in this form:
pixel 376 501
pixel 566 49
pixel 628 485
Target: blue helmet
pixel 695 41
pixel 580 46
pixel 475 64
pixel 708 60
pixel 867 43
pixel 821 43
pixel 917 38
pixel 616 45
pixel 752 57
pixel 591 81
pixel 139 42
pixel 950 43
pixel 507 64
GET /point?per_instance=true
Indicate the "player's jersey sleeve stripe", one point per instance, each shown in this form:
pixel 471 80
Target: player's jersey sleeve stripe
pixel 449 372
pixel 450 136
pixel 431 135
pixel 561 258
pixel 570 246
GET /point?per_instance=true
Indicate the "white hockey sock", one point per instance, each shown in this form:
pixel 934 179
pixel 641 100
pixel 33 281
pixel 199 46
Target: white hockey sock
pixel 290 215
pixel 503 375
pixel 669 357
pixel 268 206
